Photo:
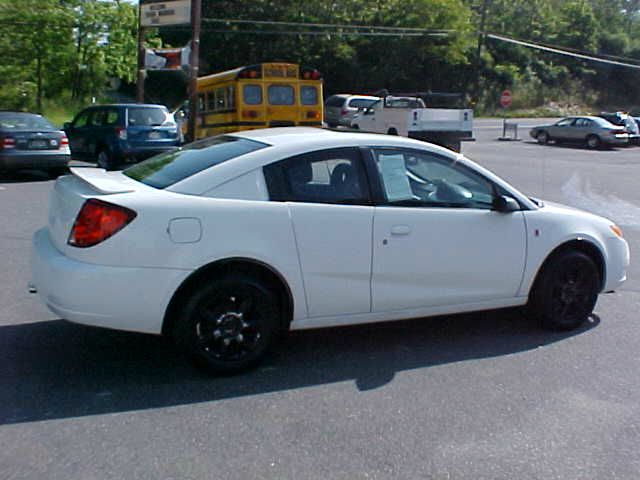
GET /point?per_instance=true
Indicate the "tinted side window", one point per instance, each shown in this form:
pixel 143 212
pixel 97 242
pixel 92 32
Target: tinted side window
pixel 81 120
pixel 327 176
pixel 411 177
pixel 361 103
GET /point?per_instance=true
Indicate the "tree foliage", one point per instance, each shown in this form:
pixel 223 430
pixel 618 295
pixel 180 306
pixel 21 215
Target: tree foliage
pixel 71 48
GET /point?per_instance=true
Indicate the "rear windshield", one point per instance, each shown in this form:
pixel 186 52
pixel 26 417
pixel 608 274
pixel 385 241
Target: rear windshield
pixel 165 169
pixel 148 117
pixel 335 101
pixel 23 121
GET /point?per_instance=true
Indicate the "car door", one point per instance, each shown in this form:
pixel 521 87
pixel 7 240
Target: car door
pixel 77 133
pixel 328 198
pixel 368 118
pixel 561 129
pixel 436 239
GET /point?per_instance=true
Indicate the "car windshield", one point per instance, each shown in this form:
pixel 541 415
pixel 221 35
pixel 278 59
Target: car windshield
pixel 24 121
pixel 166 169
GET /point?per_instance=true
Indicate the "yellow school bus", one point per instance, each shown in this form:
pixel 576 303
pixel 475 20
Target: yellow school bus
pixel 259 96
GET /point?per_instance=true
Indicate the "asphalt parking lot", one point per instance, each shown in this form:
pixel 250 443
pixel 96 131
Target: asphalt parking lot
pixel 477 396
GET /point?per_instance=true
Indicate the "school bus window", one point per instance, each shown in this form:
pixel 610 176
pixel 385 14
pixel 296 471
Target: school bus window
pixel 252 94
pixel 280 95
pixel 231 99
pixel 201 102
pixel 221 102
pixel 211 102
pixel 308 95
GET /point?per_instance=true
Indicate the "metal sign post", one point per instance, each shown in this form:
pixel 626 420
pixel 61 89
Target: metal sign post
pixel 159 13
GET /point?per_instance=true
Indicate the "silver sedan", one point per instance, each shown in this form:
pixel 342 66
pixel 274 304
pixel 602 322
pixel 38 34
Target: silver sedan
pixel 593 132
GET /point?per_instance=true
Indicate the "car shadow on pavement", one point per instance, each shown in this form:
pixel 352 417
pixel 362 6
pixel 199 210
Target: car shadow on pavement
pixel 578 146
pixel 26 176
pixel 55 369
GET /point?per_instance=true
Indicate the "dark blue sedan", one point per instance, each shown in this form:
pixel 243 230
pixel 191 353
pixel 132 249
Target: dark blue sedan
pixel 29 141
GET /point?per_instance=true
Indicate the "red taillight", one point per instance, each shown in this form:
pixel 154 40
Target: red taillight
pixel 8 142
pixel 64 142
pixel 315 75
pixel 313 115
pixel 98 221
pixel 249 114
pixel 121 133
pixel 344 111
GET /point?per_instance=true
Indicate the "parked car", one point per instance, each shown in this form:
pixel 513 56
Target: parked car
pixel 623 119
pixel 593 132
pixel 119 134
pixel 340 109
pixel 232 240
pixel 28 140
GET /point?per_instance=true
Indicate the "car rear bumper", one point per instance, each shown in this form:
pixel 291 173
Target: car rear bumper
pixel 617 140
pixel 18 160
pixel 123 298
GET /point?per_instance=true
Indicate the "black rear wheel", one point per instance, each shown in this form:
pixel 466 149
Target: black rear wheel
pixel 565 291
pixel 105 160
pixel 593 142
pixel 228 325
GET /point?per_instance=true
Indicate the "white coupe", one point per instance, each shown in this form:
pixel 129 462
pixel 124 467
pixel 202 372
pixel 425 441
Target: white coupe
pixel 228 242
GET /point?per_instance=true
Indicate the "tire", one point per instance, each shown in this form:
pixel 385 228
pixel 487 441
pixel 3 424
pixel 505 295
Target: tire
pixel 593 142
pixel 392 131
pixel 228 325
pixel 105 161
pixel 543 138
pixel 565 292
pixel 355 127
pixel 332 125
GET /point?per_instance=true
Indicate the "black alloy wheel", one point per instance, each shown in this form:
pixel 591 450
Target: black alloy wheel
pixel 565 291
pixel 228 325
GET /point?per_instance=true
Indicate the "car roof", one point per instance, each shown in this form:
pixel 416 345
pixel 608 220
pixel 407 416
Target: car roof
pixel 304 137
pixel 121 105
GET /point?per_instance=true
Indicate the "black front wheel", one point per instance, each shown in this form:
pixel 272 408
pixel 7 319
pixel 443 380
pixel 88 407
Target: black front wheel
pixel 565 292
pixel 543 138
pixel 229 324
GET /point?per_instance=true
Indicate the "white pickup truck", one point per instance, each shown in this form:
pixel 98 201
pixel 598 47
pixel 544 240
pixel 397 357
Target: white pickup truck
pixel 410 117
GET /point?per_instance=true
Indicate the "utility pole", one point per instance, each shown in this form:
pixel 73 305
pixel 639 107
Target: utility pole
pixel 481 33
pixel 141 71
pixel 193 68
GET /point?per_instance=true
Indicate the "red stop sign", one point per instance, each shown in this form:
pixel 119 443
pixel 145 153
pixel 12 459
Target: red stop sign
pixel 505 99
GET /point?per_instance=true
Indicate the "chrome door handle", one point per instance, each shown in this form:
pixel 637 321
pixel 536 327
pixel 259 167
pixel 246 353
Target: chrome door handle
pixel 400 230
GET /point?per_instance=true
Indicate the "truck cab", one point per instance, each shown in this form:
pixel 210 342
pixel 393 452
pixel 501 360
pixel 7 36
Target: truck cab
pixel 434 118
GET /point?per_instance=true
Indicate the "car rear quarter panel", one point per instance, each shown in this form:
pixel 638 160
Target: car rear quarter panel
pixel 249 229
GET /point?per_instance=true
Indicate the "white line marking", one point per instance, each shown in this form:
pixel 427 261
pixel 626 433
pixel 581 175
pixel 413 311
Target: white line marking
pixel 580 194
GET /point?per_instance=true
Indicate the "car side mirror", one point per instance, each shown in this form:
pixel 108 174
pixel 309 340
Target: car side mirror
pixel 505 204
pixel 368 111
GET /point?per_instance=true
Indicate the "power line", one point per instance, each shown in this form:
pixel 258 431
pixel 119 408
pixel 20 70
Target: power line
pixel 561 51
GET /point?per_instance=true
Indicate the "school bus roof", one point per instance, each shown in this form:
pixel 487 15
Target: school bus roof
pixel 219 77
